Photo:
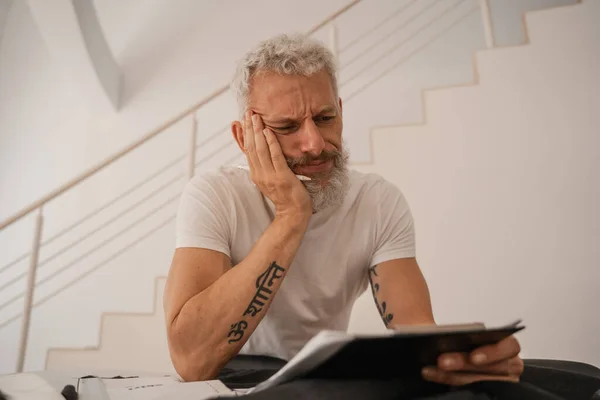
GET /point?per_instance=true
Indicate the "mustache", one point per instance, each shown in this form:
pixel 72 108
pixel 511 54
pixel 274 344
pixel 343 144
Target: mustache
pixel 325 155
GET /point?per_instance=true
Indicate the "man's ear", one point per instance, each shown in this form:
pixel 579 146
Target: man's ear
pixel 238 134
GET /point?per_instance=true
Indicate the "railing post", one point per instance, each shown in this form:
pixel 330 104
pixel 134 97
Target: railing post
pixel 192 153
pixel 333 41
pixel 35 251
pixel 486 19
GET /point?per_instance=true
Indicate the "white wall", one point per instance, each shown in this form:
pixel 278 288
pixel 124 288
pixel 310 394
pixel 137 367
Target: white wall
pixel 34 107
pixel 47 136
pixel 5 7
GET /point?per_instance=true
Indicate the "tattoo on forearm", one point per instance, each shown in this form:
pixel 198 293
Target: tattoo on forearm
pixel 237 331
pixel 263 283
pixel 263 292
pixel 386 317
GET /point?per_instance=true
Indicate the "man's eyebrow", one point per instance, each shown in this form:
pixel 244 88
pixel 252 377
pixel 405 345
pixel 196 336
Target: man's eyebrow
pixel 278 121
pixel 289 121
pixel 327 110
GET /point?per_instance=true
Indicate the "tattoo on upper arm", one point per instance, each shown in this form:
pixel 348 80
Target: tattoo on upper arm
pixel 386 317
pixel 261 297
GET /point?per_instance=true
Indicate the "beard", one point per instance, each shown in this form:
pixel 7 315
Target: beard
pixel 326 189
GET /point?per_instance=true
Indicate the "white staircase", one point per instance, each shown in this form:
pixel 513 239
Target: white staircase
pixel 502 177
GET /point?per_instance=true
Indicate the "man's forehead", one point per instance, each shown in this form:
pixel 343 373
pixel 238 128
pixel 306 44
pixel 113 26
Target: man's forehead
pixel 278 96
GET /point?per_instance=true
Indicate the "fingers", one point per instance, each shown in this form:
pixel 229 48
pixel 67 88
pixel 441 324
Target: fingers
pixel 452 361
pixel 462 378
pixel 459 362
pixel 277 156
pixel 458 368
pixel 503 350
pixel 249 142
pixel 262 149
pixel 512 366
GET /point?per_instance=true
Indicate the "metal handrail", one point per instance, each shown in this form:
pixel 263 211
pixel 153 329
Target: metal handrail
pixel 376 26
pixel 89 271
pixel 347 63
pixel 108 161
pixel 110 202
pixel 87 253
pixel 408 56
pixel 390 50
pixel 106 241
pixel 92 232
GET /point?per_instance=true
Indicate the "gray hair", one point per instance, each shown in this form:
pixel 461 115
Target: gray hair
pixel 286 54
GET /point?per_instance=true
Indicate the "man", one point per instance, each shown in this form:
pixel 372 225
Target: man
pixel 264 260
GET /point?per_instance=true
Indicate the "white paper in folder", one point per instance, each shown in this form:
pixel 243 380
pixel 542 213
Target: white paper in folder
pixel 160 388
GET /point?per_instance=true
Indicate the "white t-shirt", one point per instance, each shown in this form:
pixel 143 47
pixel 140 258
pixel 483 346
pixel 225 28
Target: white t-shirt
pixel 224 211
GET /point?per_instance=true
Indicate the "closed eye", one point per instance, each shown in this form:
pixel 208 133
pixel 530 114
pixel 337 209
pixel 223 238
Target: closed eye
pixel 284 129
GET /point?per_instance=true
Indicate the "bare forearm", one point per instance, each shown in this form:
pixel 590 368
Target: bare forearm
pixel 213 325
pixel 401 293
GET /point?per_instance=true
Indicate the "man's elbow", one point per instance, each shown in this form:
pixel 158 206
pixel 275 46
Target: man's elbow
pixel 192 370
pixel 198 364
pixel 193 367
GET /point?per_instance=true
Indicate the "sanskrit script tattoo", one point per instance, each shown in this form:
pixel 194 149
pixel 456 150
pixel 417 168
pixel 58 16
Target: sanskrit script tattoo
pixel 386 317
pixel 263 292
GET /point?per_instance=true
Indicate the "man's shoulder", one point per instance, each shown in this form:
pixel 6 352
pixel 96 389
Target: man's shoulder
pixel 222 178
pixel 371 183
pixel 373 191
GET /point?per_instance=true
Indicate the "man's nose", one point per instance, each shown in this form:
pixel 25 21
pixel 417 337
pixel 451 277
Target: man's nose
pixel 311 140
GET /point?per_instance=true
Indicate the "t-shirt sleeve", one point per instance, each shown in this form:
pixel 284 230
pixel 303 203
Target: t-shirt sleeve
pixel 395 236
pixel 202 215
